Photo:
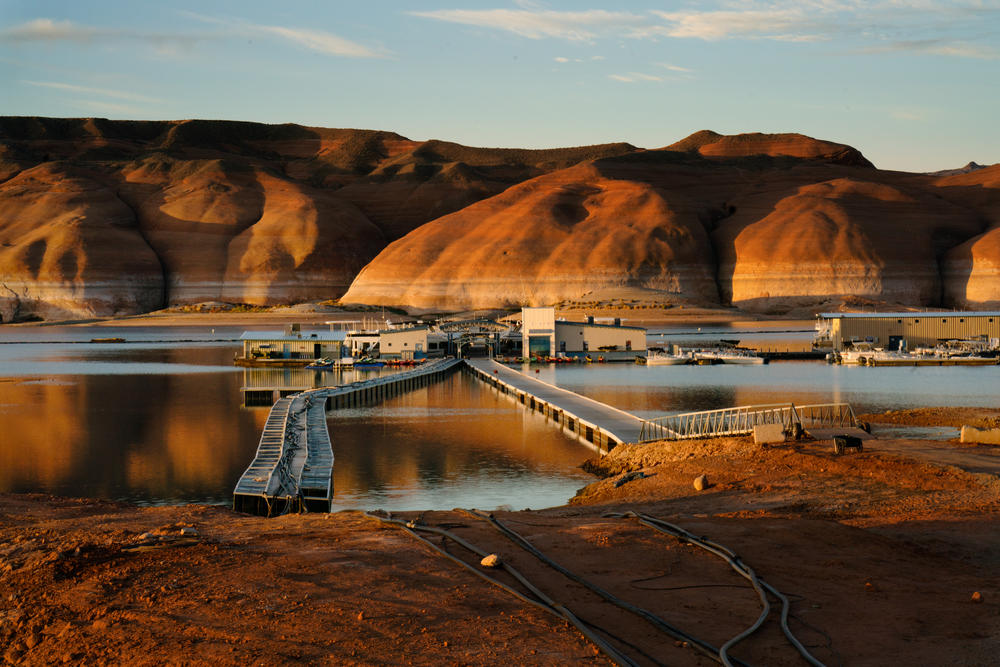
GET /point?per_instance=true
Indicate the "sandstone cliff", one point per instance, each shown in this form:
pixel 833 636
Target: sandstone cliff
pixel 70 248
pixel 219 210
pixel 776 221
pixel 100 217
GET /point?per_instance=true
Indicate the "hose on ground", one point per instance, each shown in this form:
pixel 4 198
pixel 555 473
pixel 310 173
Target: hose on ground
pixel 744 570
pixel 678 634
pixel 543 602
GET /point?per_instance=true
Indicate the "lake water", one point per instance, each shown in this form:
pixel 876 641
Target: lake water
pixel 161 419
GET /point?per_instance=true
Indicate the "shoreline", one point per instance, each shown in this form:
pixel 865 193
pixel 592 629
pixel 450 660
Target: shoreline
pixel 856 539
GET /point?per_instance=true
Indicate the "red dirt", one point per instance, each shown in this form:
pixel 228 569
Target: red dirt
pixel 880 555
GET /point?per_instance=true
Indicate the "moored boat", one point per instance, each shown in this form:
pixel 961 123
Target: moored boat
pixel 665 359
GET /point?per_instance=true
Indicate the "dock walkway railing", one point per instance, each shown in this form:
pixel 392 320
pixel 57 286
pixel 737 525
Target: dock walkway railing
pixel 741 420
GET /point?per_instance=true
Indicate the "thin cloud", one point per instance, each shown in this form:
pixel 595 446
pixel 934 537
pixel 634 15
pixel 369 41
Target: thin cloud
pixel 319 41
pixel 676 68
pixel 938 48
pixel 634 77
pixel 774 22
pixel 88 90
pixel 560 59
pixel 537 24
pixel 47 30
pixel 876 26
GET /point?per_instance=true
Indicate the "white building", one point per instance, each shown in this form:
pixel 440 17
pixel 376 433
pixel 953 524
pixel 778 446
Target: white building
pixel 544 335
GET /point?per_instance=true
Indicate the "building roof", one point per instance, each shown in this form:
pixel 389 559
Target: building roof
pixel 319 336
pixel 928 313
pixel 383 332
pixel 599 325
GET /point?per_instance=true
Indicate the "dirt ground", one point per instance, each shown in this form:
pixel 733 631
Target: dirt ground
pixel 884 559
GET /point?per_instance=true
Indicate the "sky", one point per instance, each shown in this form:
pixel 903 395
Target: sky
pixel 912 84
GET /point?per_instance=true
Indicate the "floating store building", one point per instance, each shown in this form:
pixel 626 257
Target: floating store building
pixel 909 330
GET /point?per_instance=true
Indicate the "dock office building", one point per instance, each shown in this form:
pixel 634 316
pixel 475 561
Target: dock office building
pixel 292 343
pixel 891 330
pixel 543 335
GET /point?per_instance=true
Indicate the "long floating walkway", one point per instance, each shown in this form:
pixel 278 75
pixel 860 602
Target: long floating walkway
pixel 593 421
pixel 293 468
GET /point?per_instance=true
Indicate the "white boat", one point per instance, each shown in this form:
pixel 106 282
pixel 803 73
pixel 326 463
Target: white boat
pixel 664 359
pixel 728 355
pixel 857 355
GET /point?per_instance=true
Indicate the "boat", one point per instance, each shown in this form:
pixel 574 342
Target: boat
pixel 729 355
pixel 655 358
pixel 856 355
pixel 368 362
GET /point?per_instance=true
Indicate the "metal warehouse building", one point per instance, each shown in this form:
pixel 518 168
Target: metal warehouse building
pixel 889 329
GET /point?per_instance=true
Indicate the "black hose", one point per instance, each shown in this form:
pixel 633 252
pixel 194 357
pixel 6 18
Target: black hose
pixel 743 570
pixel 678 634
pixel 545 603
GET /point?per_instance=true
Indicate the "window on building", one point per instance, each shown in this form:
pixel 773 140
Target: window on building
pixel 585 346
pixel 628 345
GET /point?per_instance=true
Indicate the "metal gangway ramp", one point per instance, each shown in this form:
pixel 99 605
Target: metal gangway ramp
pixel 741 420
pixel 602 425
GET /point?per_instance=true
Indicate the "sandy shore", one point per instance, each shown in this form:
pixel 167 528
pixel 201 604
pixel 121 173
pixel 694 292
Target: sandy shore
pixel 884 558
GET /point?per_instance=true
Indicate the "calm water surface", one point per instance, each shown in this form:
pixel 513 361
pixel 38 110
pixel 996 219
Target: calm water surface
pixel 160 419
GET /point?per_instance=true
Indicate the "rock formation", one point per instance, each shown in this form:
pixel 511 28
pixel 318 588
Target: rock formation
pixel 971 270
pixel 555 237
pixel 101 217
pixel 70 248
pixel 244 212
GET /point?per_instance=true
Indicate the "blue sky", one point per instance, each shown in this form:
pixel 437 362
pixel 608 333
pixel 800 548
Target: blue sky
pixel 913 84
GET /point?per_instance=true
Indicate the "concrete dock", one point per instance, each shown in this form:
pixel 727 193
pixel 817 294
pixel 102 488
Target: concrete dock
pixel 592 421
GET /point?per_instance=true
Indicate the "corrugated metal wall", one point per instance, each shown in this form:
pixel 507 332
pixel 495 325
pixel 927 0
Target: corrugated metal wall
pixel 918 329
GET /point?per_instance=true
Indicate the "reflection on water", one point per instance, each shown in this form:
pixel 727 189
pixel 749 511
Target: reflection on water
pixel 163 423
pixel 146 438
pixel 456 443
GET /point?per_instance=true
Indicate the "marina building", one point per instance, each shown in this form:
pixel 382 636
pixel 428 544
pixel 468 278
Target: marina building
pixel 406 343
pixel 901 331
pixel 544 335
pixel 292 343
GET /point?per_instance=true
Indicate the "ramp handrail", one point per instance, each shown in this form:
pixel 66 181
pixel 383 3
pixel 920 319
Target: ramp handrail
pixel 741 420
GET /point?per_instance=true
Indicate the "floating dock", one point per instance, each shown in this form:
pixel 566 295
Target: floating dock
pixel 293 468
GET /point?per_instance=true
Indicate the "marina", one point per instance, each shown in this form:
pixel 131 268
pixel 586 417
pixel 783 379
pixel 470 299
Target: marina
pixel 182 432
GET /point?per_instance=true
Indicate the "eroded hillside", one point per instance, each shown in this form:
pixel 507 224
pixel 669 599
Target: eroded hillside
pixel 103 217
